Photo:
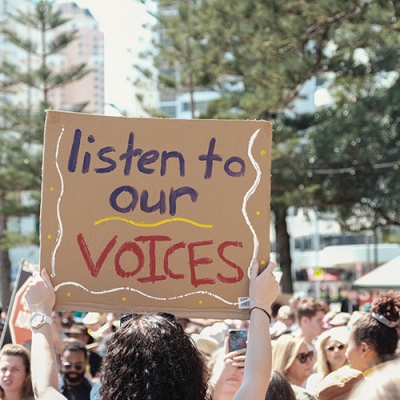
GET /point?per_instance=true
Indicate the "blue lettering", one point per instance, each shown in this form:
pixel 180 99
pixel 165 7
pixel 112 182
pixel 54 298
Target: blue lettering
pixel 232 160
pixel 110 161
pixel 209 158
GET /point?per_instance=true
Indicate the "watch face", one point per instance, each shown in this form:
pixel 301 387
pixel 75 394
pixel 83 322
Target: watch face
pixel 36 320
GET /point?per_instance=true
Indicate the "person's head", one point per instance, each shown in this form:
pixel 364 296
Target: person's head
pixel 56 316
pixel 291 357
pixel 15 371
pixel 151 356
pixel 93 321
pixel 79 332
pixel 373 337
pixel 286 315
pixel 279 388
pixel 207 345
pixel 74 359
pixel 310 314
pixel 232 384
pixel 274 309
pixel 331 353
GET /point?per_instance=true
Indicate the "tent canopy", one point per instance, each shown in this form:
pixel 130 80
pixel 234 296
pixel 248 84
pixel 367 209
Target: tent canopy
pixel 386 277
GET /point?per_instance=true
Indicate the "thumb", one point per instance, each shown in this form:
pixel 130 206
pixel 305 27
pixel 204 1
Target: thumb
pixel 46 278
pixel 254 268
pixel 271 266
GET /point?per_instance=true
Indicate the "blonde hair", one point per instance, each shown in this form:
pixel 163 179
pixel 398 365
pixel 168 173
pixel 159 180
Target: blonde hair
pixel 340 335
pixel 18 350
pixel 284 352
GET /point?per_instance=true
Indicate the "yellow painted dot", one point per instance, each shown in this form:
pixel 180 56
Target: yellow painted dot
pixel 258 213
pixel 263 152
pixel 51 189
pixel 262 262
pixel 124 299
pixel 49 236
pixel 69 294
pixel 201 302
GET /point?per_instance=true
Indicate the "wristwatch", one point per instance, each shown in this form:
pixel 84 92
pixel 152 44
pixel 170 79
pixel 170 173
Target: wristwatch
pixel 39 319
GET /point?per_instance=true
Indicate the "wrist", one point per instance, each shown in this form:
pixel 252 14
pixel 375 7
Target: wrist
pixel 261 310
pixel 263 306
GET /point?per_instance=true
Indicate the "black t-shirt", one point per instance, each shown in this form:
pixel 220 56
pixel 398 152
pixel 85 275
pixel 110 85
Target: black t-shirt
pixel 78 392
pixel 94 362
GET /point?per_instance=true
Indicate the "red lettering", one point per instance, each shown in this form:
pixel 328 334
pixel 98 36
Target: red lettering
pixel 152 257
pixel 180 245
pixel 193 263
pixel 130 267
pixel 239 270
pixel 95 268
pixel 133 248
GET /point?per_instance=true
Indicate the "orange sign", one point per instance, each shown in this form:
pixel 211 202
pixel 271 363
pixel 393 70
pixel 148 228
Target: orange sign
pixel 19 322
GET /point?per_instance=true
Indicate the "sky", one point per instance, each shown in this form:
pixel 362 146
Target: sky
pixel 121 21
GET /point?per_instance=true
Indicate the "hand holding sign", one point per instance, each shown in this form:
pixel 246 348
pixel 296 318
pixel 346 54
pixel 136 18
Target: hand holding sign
pixel 40 294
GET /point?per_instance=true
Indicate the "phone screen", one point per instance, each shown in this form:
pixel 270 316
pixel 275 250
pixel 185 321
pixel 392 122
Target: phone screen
pixel 237 339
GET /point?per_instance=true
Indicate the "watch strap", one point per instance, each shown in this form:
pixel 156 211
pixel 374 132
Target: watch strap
pixel 39 319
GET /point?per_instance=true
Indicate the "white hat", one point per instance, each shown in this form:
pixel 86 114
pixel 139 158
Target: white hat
pixel 91 318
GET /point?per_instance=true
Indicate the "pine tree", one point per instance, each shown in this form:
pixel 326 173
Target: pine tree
pixel 271 49
pixel 359 168
pixel 23 119
pixel 179 52
pixel 259 54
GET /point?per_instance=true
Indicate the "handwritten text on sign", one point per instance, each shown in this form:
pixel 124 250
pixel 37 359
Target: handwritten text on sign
pixel 141 211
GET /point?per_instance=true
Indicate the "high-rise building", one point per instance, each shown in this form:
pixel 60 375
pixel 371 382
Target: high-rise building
pixel 88 48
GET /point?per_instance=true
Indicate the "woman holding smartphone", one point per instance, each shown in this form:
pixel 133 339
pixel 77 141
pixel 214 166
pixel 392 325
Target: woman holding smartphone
pixel 227 366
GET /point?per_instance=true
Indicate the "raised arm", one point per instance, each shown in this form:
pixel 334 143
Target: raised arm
pixel 257 371
pixel 41 297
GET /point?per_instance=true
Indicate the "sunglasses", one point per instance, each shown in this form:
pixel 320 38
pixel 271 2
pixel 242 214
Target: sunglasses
pixel 76 366
pixel 338 346
pixel 167 316
pixel 303 357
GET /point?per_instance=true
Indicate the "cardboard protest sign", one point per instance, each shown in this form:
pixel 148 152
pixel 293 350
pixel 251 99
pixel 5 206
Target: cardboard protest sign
pixel 154 214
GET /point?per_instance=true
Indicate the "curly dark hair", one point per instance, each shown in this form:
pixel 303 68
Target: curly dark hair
pixel 150 357
pixel 382 338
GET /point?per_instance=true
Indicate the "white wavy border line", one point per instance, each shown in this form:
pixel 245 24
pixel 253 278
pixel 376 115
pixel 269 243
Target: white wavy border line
pixel 60 226
pixel 203 292
pixel 249 193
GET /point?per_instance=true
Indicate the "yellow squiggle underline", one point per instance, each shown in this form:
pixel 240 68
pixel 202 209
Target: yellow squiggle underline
pixel 152 225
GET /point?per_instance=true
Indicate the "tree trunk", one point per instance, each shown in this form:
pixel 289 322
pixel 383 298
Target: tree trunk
pixel 5 263
pixel 283 249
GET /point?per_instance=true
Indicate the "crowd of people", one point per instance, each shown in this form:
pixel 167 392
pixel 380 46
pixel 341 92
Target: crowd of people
pixel 300 350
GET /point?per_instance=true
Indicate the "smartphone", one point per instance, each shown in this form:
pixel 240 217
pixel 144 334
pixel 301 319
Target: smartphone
pixel 237 339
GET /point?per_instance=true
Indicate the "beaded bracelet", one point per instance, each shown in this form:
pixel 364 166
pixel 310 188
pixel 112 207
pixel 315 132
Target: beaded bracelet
pixel 266 312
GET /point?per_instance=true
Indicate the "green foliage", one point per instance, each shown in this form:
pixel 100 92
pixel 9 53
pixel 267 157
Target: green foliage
pixel 44 19
pixel 22 122
pixel 257 55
